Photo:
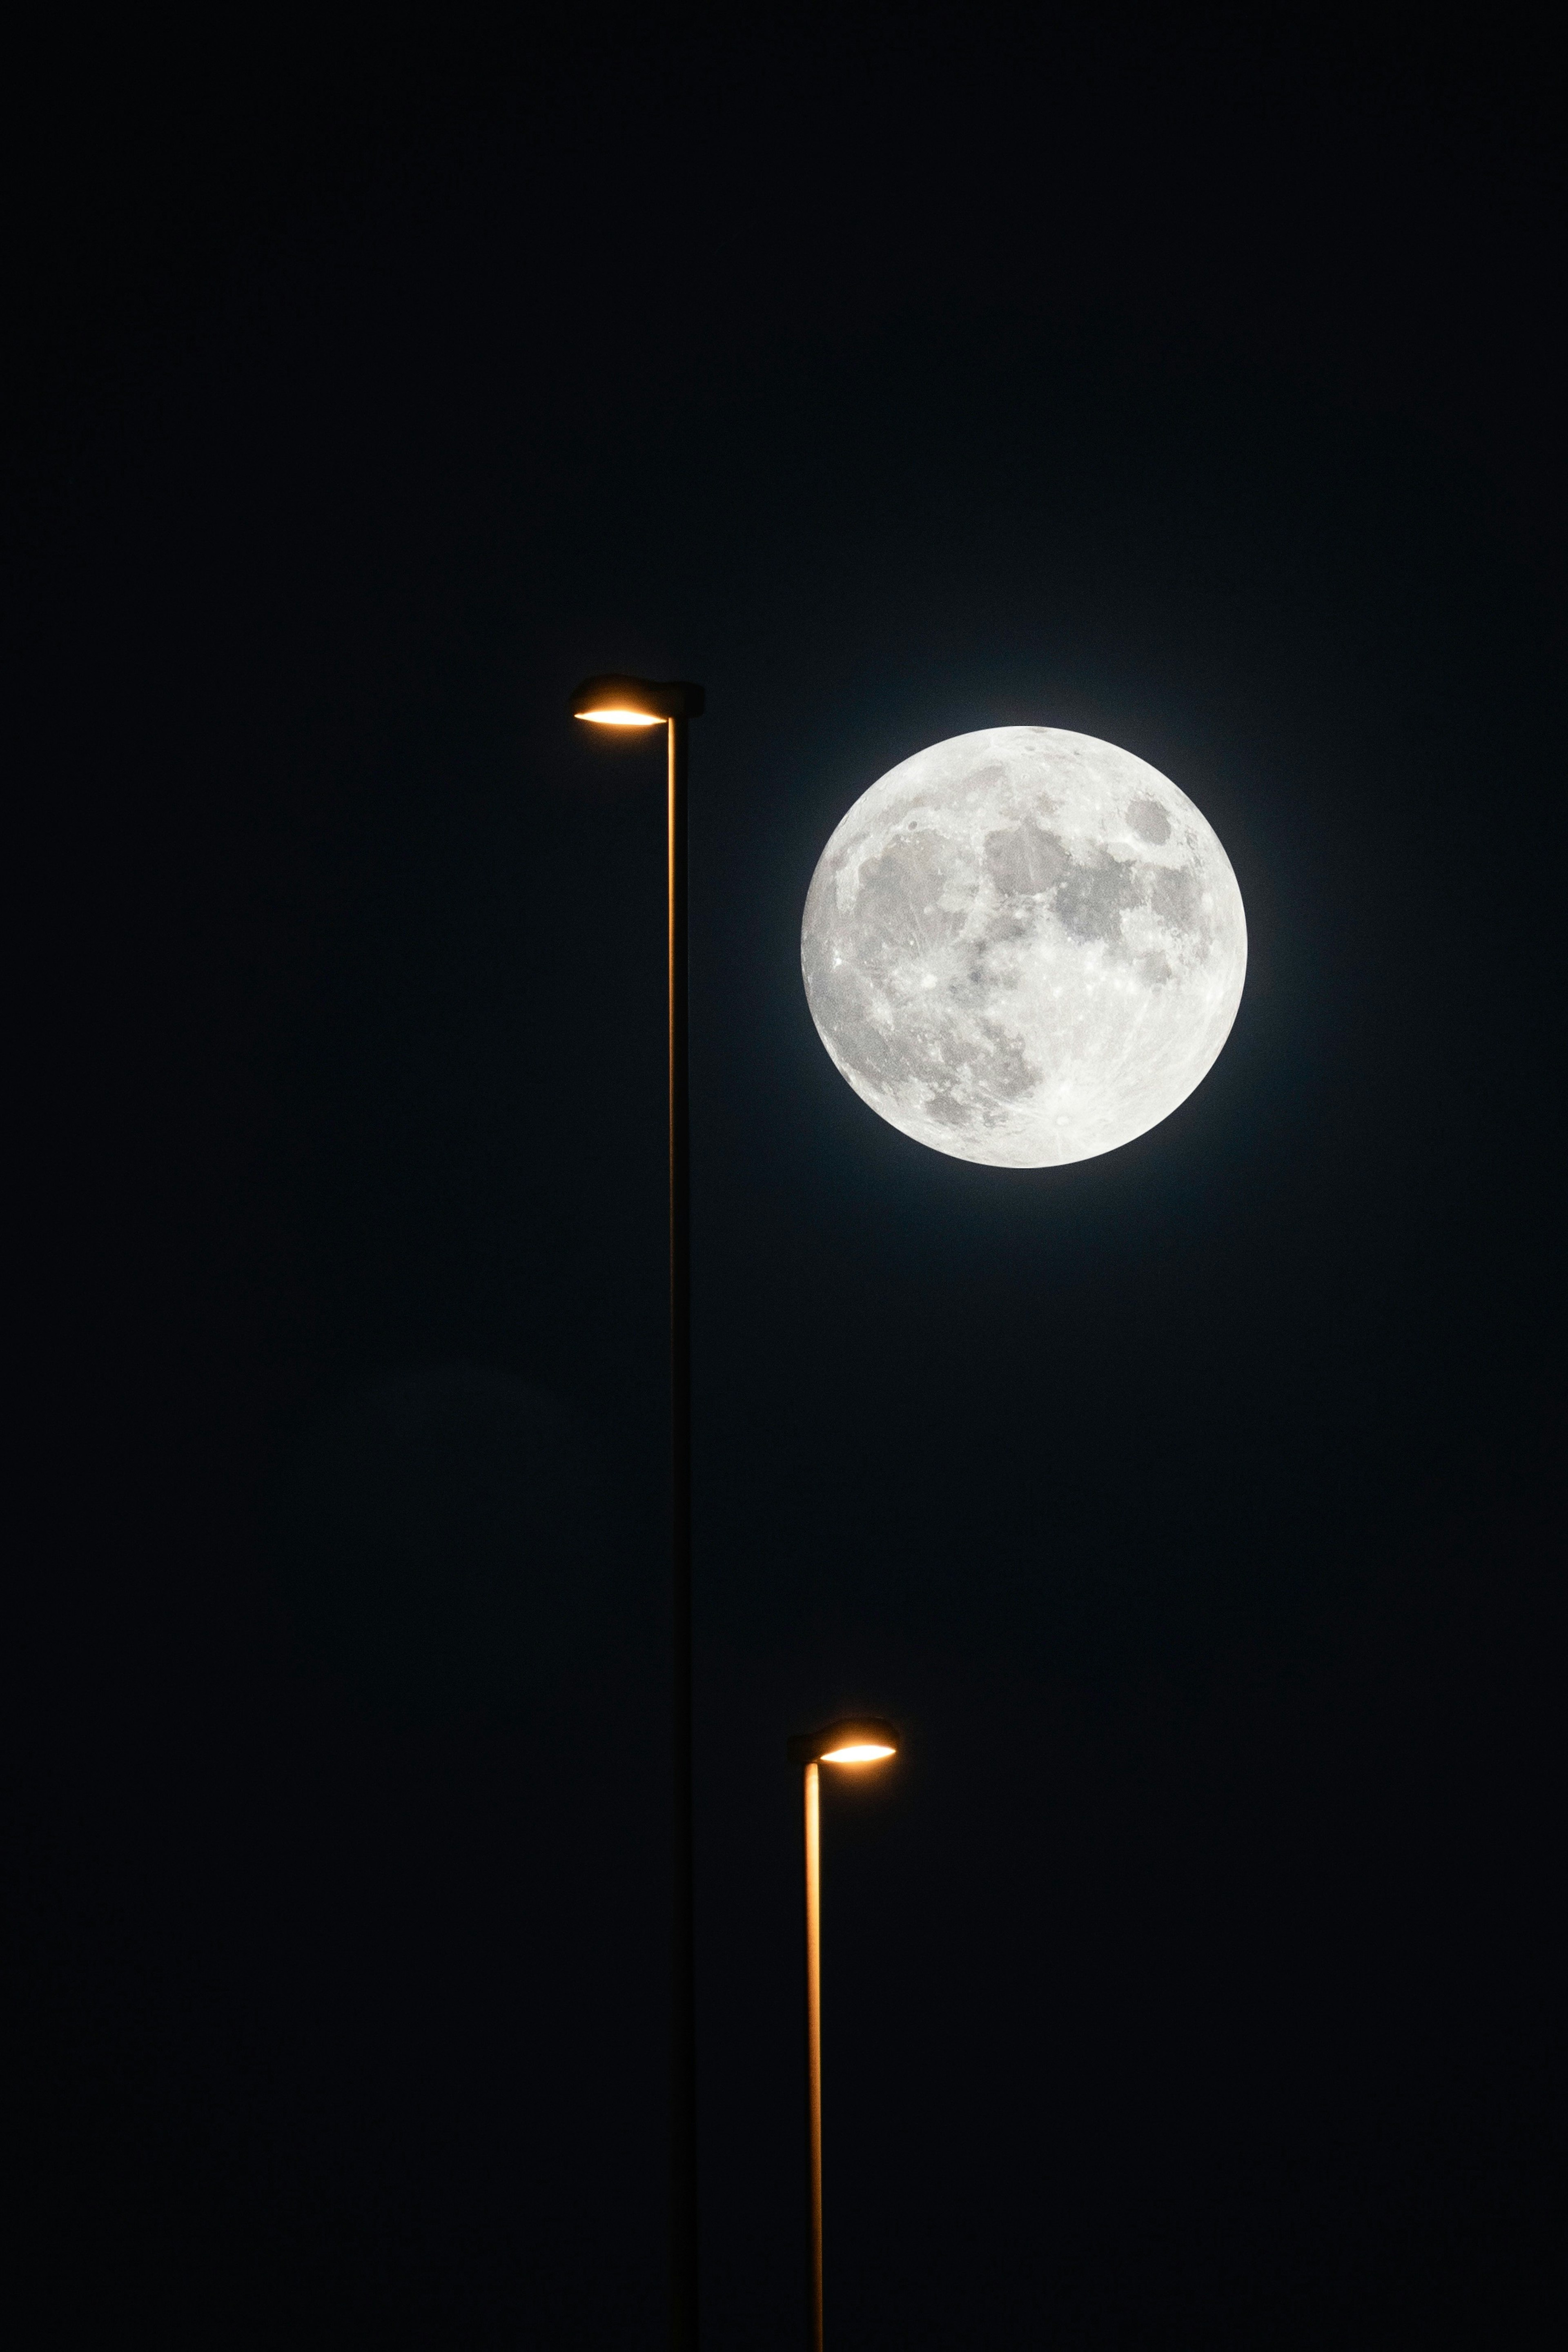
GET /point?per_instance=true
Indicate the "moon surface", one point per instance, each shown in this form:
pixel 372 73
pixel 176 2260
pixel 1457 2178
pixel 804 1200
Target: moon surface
pixel 1024 947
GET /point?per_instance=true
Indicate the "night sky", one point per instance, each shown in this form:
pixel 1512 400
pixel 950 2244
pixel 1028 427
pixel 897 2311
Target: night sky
pixel 1194 1979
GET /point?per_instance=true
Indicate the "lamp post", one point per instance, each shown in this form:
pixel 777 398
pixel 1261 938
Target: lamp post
pixel 673 703
pixel 853 1740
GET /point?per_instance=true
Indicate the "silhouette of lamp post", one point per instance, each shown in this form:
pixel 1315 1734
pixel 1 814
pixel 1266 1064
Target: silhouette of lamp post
pixel 853 1741
pixel 644 702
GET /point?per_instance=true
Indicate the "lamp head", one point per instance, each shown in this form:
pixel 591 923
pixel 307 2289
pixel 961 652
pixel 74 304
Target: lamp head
pixel 636 702
pixel 853 1739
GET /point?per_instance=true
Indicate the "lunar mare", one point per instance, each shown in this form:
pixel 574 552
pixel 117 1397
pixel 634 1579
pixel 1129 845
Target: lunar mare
pixel 1024 947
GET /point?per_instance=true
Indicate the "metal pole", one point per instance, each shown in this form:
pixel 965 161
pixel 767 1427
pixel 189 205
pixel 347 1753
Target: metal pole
pixel 813 2063
pixel 683 1955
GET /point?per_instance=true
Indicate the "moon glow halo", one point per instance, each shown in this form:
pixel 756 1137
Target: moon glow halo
pixel 1024 947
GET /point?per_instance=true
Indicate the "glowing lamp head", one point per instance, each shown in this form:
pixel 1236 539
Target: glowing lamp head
pixel 635 701
pixel 854 1739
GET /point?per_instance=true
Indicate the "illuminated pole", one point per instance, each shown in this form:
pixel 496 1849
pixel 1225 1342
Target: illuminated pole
pixel 856 1740
pixel 645 702
pixel 812 2058
pixel 683 2248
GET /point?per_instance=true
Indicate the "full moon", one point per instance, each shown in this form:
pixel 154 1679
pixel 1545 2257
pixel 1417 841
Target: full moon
pixel 1024 947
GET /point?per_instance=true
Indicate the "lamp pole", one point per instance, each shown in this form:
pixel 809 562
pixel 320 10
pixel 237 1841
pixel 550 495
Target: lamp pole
pixel 813 2057
pixel 854 1740
pixel 620 701
pixel 683 1954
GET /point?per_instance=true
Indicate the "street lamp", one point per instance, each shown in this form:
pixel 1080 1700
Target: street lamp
pixel 671 703
pixel 853 1740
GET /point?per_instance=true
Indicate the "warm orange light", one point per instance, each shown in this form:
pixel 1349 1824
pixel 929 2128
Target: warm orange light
pixel 860 1754
pixel 621 718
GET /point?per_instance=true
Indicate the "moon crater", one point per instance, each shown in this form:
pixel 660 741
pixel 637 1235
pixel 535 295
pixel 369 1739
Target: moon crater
pixel 1024 947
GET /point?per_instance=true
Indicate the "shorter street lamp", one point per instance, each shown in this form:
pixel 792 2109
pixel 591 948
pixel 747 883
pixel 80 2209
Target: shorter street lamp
pixel 856 1740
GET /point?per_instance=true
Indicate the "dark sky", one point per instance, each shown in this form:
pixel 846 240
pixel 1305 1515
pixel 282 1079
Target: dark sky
pixel 1194 1981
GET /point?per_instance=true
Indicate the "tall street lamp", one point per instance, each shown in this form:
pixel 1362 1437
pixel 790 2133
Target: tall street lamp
pixel 857 1739
pixel 672 704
